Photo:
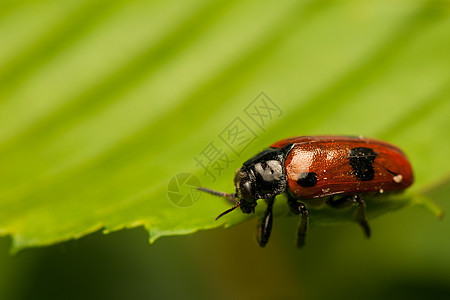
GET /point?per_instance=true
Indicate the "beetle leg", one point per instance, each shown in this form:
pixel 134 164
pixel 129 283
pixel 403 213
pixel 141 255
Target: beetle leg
pixel 299 208
pixel 265 224
pixel 360 213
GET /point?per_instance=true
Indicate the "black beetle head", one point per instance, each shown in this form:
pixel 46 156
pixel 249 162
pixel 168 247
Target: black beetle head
pixel 244 183
pixel 261 177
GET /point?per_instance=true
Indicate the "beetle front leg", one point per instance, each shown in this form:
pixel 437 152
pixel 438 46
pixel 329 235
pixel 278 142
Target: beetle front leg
pixel 265 224
pixel 360 213
pixel 299 208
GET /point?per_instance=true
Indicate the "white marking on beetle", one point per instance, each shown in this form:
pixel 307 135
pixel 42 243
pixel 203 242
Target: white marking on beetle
pixel 398 178
pixel 381 191
pixel 273 170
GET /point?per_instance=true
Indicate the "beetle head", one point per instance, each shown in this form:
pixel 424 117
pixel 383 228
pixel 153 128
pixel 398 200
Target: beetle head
pixel 245 185
pixel 261 177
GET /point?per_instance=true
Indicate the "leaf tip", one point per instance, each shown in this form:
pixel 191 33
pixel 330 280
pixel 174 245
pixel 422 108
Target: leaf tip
pixel 427 203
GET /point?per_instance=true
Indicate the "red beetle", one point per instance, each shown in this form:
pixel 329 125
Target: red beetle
pixel 338 170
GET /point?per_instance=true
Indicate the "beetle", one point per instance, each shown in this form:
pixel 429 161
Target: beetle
pixel 315 170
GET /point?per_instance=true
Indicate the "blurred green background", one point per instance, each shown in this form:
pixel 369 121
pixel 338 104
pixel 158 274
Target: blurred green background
pixel 102 103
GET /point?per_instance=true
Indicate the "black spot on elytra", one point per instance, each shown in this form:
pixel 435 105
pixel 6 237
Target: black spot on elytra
pixel 307 179
pixel 361 159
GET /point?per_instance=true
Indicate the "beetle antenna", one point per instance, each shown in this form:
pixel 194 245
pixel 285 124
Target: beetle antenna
pixel 229 210
pixel 230 196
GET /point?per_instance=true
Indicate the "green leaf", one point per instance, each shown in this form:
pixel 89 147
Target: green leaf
pixel 103 104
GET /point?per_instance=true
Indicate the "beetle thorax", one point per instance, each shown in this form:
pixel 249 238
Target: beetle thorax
pixel 261 177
